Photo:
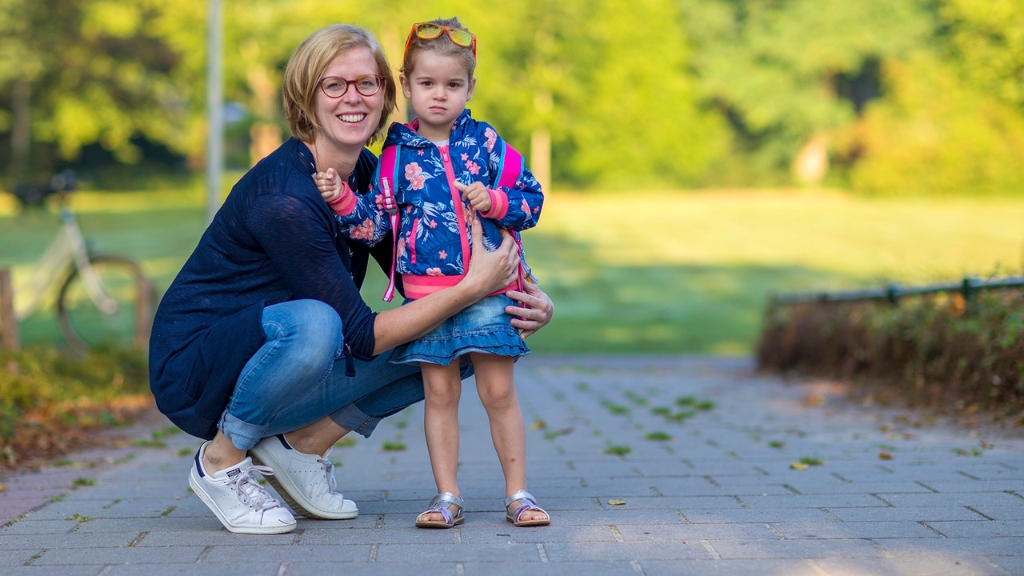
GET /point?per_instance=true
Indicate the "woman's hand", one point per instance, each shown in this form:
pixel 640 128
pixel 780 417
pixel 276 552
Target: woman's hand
pixel 535 309
pixel 491 271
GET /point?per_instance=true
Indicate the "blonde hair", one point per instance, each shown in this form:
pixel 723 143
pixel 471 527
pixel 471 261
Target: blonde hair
pixel 310 60
pixel 442 45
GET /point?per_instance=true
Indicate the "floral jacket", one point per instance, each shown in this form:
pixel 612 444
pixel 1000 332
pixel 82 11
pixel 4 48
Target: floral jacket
pixel 433 245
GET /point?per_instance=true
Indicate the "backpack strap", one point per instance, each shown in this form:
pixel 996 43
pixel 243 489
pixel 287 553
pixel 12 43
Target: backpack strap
pixel 388 170
pixel 510 167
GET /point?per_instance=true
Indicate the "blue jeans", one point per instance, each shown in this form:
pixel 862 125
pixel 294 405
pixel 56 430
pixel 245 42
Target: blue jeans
pixel 298 376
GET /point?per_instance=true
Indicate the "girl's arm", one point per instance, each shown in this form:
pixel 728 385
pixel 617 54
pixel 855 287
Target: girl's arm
pixel 361 216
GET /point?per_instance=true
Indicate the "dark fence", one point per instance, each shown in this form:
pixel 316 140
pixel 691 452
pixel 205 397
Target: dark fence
pixel 968 288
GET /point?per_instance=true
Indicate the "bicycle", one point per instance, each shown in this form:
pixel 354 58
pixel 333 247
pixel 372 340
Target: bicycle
pixel 103 299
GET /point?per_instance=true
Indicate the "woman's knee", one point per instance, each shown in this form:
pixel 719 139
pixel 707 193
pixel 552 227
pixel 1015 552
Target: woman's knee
pixel 311 329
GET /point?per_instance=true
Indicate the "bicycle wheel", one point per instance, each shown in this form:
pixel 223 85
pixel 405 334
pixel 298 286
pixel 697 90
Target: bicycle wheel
pixel 109 321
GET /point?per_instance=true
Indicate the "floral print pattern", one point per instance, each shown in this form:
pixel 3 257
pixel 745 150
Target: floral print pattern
pixel 433 226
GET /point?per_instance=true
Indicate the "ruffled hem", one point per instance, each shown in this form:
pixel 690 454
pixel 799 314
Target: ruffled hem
pixel 443 350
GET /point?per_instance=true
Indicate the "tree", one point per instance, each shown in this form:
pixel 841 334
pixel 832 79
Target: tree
pixel 87 71
pixel 789 73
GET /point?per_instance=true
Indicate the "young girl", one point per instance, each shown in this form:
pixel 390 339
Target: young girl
pixel 443 169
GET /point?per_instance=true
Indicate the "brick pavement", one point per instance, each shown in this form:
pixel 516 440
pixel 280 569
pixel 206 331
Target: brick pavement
pixel 636 485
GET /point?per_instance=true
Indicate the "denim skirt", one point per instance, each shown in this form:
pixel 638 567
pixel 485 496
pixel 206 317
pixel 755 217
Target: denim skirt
pixel 483 327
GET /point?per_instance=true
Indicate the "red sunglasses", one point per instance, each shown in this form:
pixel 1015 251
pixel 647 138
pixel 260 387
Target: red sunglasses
pixel 431 31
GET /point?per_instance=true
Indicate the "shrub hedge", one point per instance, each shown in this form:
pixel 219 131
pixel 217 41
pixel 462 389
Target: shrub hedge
pixel 938 351
pixel 52 402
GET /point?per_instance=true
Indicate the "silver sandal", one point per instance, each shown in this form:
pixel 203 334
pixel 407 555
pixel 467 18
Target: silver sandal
pixel 526 502
pixel 442 504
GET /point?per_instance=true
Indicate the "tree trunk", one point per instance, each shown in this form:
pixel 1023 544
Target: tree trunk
pixel 21 129
pixel 811 164
pixel 540 142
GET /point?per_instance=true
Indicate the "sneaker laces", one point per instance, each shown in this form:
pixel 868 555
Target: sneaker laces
pixel 251 493
pixel 328 466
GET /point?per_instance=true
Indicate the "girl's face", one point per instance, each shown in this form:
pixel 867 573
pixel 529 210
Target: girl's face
pixel 351 119
pixel 438 89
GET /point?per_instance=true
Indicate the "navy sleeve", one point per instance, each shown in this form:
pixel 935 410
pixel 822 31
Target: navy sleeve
pixel 299 240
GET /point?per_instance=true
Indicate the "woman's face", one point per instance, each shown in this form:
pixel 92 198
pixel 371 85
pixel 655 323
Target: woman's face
pixel 351 119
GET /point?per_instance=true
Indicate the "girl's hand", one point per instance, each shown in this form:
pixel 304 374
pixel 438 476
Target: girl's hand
pixel 329 184
pixel 534 311
pixel 477 195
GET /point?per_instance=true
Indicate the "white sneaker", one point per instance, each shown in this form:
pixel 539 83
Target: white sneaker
pixel 305 481
pixel 238 500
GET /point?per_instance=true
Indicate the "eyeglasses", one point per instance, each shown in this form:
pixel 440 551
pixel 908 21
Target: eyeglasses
pixel 430 31
pixel 336 87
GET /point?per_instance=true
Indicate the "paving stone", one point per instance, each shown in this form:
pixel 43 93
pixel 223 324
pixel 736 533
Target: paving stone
pixel 240 569
pixel 904 566
pixel 813 549
pixel 375 569
pixel 619 551
pixel 91 570
pixel 763 567
pixel 914 514
pixel 952 547
pixel 1011 564
pixel 847 530
pixel 995 528
pixel 451 553
pixel 747 515
pixel 58 556
pixel 66 541
pixel 696 532
pixel 259 554
pixel 17 557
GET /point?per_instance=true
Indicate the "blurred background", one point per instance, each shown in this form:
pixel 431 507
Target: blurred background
pixel 698 155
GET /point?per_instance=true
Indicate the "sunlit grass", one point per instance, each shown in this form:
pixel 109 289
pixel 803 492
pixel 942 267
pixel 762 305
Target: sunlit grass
pixel 641 272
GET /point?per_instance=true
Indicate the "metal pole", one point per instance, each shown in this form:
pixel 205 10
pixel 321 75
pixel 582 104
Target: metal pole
pixel 214 110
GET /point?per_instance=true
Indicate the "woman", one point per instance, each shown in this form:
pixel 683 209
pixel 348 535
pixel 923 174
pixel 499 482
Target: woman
pixel 262 344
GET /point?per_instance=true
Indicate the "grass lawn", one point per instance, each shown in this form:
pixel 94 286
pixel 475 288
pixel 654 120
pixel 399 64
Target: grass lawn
pixel 688 273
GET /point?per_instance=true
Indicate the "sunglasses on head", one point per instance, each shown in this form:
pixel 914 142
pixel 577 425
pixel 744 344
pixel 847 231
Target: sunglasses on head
pixel 431 31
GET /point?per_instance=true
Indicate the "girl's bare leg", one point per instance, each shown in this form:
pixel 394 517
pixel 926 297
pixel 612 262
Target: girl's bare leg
pixel 497 388
pixel 442 388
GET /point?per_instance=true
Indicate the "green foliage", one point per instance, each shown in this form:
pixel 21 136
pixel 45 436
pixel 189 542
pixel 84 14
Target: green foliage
pixel 986 39
pixel 617 450
pixel 934 134
pixel 779 68
pixel 44 380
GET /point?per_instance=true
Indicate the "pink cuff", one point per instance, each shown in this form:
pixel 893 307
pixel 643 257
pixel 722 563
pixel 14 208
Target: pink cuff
pixel 344 205
pixel 499 205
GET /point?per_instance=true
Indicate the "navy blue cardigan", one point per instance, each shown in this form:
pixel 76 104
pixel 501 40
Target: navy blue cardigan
pixel 273 240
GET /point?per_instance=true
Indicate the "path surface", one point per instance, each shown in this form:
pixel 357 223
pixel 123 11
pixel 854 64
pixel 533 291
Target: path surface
pixel 718 497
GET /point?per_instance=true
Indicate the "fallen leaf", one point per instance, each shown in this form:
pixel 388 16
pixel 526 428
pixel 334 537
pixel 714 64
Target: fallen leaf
pixel 798 466
pixel 813 400
pixel 538 425
pixel 3 487
pixel 885 455
pixel 986 445
pixel 617 502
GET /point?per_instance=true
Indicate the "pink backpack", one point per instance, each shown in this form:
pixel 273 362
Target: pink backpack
pixel 510 167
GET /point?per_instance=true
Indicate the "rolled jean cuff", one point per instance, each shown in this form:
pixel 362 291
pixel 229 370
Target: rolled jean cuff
pixel 242 434
pixel 354 419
